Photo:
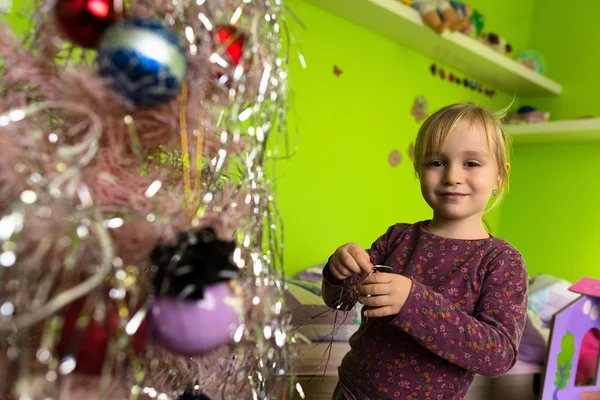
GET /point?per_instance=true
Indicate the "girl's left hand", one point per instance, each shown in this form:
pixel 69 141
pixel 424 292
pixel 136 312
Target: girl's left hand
pixel 388 293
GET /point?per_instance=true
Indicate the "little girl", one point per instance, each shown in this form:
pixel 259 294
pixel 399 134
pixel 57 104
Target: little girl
pixel 452 301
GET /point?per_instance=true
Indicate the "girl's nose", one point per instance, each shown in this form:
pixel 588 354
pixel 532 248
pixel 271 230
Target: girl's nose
pixel 452 175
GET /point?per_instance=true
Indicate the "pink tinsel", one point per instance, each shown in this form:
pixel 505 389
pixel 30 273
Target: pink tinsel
pixel 83 173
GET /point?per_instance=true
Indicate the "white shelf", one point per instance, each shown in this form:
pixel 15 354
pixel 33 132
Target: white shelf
pixel 578 130
pixel 405 26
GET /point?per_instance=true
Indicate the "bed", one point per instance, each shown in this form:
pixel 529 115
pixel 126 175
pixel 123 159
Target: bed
pixel 320 355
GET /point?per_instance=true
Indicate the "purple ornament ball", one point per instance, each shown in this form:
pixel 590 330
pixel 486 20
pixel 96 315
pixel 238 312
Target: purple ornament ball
pixel 195 326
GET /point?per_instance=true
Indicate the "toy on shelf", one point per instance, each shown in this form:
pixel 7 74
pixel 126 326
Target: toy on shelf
pixel 528 115
pixel 572 367
pixel 475 26
pixel 438 15
pixel 532 60
pixel 472 20
pixel 464 13
pixel 496 42
pixel 466 82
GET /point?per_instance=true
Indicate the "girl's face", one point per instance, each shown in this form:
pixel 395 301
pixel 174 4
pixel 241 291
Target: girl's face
pixel 457 181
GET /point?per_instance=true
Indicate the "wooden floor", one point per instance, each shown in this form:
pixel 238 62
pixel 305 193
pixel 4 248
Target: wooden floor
pixel 508 387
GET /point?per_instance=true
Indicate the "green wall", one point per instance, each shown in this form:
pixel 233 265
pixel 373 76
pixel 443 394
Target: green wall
pixel 552 214
pixel 339 186
pixel 571 55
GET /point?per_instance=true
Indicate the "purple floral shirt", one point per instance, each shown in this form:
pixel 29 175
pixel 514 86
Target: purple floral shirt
pixel 464 316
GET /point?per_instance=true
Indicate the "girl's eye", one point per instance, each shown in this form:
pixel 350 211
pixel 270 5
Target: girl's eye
pixel 435 164
pixel 471 164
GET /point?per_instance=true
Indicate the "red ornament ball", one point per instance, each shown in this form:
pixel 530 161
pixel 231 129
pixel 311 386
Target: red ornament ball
pixel 84 21
pixel 90 345
pixel 234 42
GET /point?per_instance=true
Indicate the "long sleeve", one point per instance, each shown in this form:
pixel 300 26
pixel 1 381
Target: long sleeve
pixel 383 245
pixel 342 295
pixel 485 343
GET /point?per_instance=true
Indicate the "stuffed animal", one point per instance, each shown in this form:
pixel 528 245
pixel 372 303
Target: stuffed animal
pixel 473 20
pixel 533 60
pixel 528 114
pixel 463 13
pixel 476 25
pixel 496 42
pixel 438 15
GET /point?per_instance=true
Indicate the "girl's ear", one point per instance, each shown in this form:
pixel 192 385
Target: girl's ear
pixel 500 177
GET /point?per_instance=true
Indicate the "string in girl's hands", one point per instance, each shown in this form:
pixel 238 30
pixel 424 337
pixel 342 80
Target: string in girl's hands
pixel 376 268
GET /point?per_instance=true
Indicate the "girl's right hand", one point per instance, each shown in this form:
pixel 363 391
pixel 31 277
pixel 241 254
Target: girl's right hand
pixel 348 260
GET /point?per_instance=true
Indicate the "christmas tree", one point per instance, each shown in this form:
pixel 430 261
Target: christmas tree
pixel 140 244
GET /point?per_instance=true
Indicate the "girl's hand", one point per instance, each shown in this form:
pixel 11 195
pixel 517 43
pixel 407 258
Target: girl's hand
pixel 387 294
pixel 348 260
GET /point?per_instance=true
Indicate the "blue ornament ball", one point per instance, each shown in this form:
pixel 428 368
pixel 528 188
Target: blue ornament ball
pixel 144 59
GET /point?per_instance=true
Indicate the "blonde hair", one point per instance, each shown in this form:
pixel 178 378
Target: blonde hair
pixel 436 128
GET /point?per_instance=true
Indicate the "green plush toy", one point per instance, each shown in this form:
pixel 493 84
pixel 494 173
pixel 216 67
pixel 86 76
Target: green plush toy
pixel 477 22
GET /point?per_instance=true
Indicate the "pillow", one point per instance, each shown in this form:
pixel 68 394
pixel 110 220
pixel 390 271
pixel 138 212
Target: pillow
pixel 547 295
pixel 311 274
pixel 311 317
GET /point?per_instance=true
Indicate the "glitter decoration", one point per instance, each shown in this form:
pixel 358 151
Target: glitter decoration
pixel 198 259
pixel 91 181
